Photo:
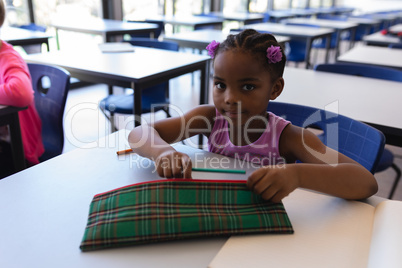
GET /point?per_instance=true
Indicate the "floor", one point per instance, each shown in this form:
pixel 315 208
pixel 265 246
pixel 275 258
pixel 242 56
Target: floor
pixel 85 123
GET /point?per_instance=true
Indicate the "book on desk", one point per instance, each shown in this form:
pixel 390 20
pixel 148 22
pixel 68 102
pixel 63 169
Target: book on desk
pixel 328 232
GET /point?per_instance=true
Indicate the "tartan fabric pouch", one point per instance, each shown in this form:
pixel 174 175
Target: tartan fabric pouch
pixel 177 209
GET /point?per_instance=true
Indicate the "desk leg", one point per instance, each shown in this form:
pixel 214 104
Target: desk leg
pixel 327 48
pixel 352 37
pixel 137 109
pixel 57 39
pixel 16 143
pixel 308 52
pixel 337 44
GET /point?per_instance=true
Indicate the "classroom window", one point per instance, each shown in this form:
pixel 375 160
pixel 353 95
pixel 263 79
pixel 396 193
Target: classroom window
pixel 258 6
pixel 232 6
pixel 281 4
pixel 299 3
pixel 327 3
pixel 17 12
pixel 315 3
pixel 47 10
pixel 185 7
pixel 140 9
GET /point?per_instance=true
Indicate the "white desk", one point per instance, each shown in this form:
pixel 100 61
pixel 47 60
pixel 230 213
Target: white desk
pixel 352 96
pixel 129 69
pixel 372 55
pixel 297 32
pixel 19 37
pixel 201 38
pixel 105 27
pixel 44 211
pixel 339 26
pixel 379 39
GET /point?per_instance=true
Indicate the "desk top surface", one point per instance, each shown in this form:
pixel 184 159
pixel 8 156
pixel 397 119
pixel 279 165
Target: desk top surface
pixel 207 35
pixel 373 55
pixel 102 25
pixel 45 209
pixel 127 66
pixel 355 97
pixel 187 20
pixel 291 30
pixel 323 23
pixel 10 34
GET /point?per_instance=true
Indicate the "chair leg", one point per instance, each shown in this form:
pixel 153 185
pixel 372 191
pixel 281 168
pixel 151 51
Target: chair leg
pixel 397 177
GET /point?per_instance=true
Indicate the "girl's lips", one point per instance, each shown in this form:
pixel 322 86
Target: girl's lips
pixel 232 114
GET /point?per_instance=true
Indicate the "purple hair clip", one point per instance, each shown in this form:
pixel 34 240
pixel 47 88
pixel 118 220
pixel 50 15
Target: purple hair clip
pixel 212 47
pixel 274 54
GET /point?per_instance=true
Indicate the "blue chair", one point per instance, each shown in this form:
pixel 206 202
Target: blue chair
pixel 30 49
pixel 359 141
pixel 50 85
pixel 296 51
pixel 387 159
pixel 398 46
pixel 154 99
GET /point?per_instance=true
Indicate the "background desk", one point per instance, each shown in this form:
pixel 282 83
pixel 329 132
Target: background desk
pixel 339 26
pixel 129 69
pixel 373 55
pixel 297 32
pixel 379 39
pixel 191 21
pixel 45 209
pixel 105 27
pixel 373 101
pixel 244 18
pixel 201 38
pixel 9 116
pixel 20 37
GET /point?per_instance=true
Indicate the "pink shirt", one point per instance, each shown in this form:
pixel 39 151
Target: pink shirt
pixel 16 90
pixel 264 151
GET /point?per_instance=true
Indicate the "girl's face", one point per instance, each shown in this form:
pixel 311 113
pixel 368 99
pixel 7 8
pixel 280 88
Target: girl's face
pixel 242 87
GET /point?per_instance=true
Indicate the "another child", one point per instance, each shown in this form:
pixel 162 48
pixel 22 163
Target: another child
pixel 16 90
pixel 248 69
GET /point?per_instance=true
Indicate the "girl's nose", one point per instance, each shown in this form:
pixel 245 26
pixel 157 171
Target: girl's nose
pixel 231 97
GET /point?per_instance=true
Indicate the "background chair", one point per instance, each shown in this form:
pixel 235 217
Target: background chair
pixel 359 141
pixel 387 159
pixel 154 99
pixel 50 85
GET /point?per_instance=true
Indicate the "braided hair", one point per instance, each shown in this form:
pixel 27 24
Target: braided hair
pixel 255 43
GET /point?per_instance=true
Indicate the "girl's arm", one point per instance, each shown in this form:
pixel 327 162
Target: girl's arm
pixel 17 87
pixel 322 169
pixel 153 140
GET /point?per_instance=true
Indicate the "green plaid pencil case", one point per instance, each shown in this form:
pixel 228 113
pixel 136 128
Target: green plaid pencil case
pixel 177 209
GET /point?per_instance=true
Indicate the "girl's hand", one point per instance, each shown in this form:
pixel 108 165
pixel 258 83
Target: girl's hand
pixel 173 164
pixel 274 182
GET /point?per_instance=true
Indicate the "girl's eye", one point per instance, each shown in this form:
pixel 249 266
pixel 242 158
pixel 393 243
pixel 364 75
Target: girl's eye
pixel 220 85
pixel 248 87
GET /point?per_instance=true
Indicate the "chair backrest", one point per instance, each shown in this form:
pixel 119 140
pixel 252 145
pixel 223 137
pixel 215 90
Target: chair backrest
pixel 359 141
pixel 399 46
pixel 361 70
pixel 154 43
pixel 50 85
pixel 158 93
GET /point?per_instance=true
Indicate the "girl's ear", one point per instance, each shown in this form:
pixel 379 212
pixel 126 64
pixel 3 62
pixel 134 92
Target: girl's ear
pixel 277 88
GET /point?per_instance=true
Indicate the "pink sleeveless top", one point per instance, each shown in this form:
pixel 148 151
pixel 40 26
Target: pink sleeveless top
pixel 264 151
